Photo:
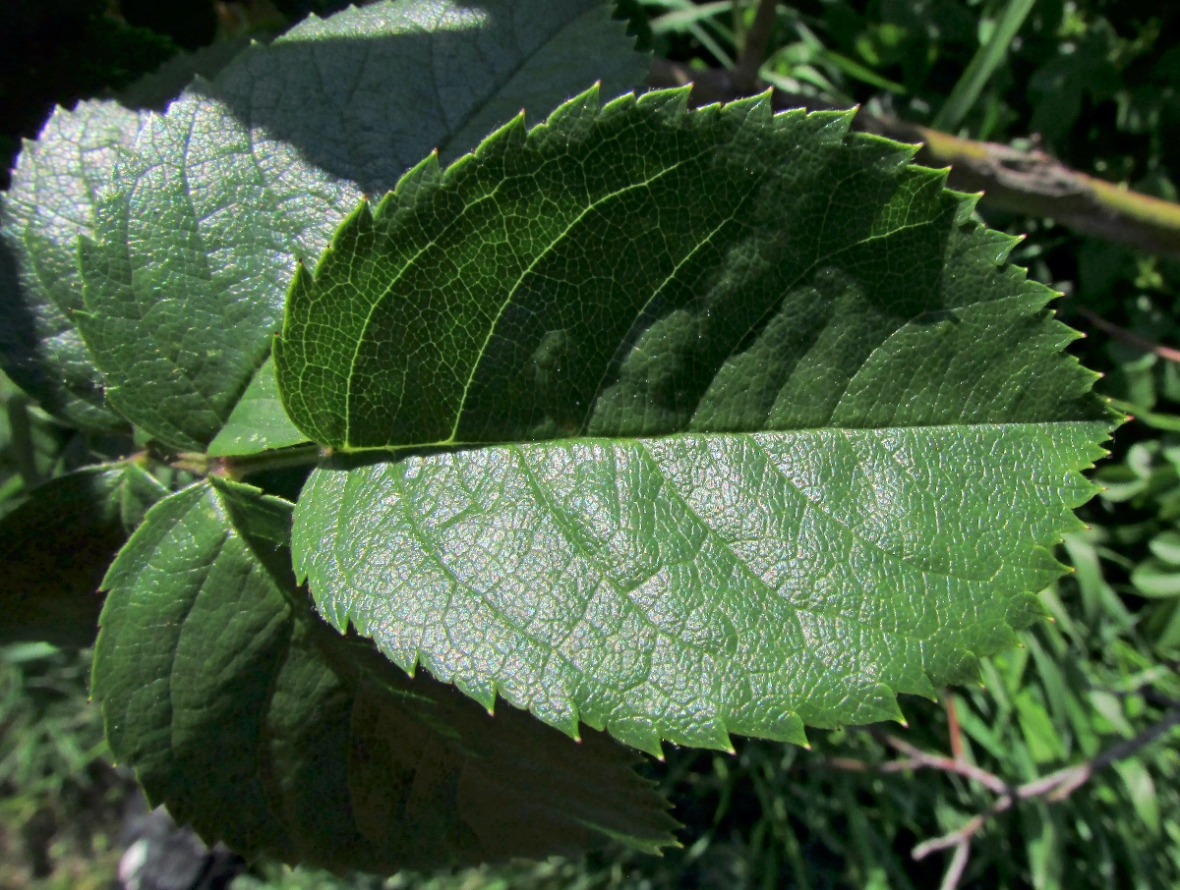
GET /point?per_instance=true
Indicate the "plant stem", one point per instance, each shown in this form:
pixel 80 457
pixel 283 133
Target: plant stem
pixel 1054 787
pixel 279 459
pixel 754 48
pixel 1127 337
pixel 1025 182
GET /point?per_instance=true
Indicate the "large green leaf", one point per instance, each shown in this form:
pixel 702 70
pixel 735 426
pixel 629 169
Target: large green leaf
pixel 252 719
pixel 56 546
pixel 212 206
pixel 52 200
pixel 823 440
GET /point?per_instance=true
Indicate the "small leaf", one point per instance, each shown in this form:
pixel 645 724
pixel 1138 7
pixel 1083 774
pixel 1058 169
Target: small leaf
pixel 1154 578
pixel 217 199
pixel 259 421
pixel 1040 734
pixel 56 546
pixel 52 201
pixel 1166 545
pixel 1141 789
pixel 768 434
pixel 249 717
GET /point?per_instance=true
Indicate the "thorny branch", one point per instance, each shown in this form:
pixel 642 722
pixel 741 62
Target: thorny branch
pixel 1054 787
pixel 1027 182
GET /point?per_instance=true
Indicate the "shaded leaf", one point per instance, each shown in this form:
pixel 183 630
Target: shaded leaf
pixel 156 90
pixel 53 198
pixel 259 724
pixel 822 441
pixel 219 197
pixel 56 546
pixel 259 421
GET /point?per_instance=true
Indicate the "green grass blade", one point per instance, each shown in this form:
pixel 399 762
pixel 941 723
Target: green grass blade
pixel 983 65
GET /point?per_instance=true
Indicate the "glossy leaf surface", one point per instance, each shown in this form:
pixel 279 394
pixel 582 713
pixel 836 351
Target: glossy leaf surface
pixel 53 199
pixel 219 197
pixel 782 437
pixel 258 421
pixel 252 719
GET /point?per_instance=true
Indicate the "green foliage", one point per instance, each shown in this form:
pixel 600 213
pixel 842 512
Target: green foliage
pixel 210 227
pixel 52 594
pixel 262 727
pixel 779 301
pixel 51 203
pixel 60 800
pixel 594 444
pixel 58 51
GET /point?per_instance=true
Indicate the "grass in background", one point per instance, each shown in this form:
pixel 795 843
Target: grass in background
pixel 61 802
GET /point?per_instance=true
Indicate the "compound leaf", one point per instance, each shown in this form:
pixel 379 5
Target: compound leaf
pixel 249 717
pixel 56 546
pixel 52 201
pixel 744 425
pixel 218 197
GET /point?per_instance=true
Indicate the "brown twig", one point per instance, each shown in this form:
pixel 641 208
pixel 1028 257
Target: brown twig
pixel 1027 182
pixel 958 864
pixel 1053 787
pixel 1125 336
pixel 745 75
pixel 919 759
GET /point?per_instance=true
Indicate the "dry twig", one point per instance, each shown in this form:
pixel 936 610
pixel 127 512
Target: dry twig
pixel 1125 336
pixel 1027 182
pixel 1052 788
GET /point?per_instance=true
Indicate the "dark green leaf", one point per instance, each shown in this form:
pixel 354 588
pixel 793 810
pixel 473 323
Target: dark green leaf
pixel 219 196
pixel 56 546
pixel 259 724
pixel 54 191
pixel 826 441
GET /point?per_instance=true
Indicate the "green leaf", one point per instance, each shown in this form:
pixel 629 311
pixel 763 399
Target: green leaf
pixel 217 199
pixel 258 422
pixel 252 719
pixel 366 93
pixel 824 442
pixel 52 200
pixel 56 546
pixel 1166 545
pixel 1154 578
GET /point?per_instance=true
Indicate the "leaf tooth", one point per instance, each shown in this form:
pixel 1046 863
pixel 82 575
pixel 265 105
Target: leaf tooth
pixel 355 234
pixel 500 142
pixel 638 733
pixel 618 105
pixel 423 174
pixel 830 126
pixel 755 109
pixel 572 120
pixel 483 692
pixel 968 201
pixel 671 102
pixel 789 727
pixel 920 683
